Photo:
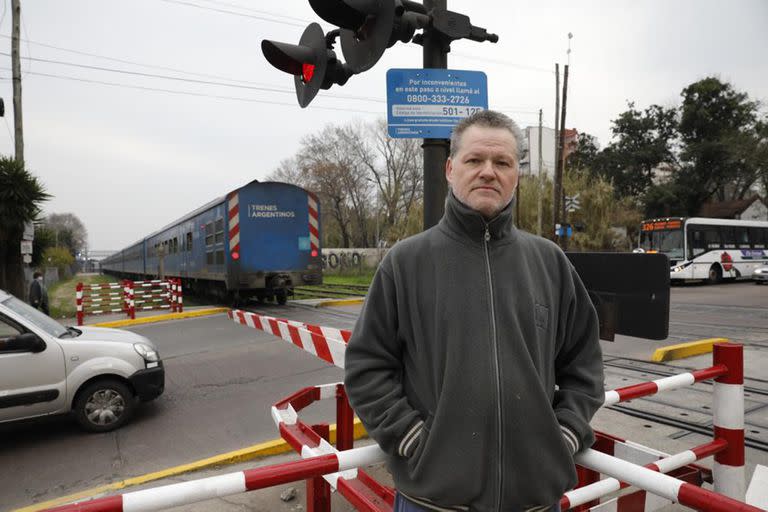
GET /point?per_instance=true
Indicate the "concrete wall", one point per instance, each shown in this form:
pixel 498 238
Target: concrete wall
pixel 340 260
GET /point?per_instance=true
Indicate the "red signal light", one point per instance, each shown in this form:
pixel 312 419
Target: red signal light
pixel 307 72
pixel 314 254
pixel 235 255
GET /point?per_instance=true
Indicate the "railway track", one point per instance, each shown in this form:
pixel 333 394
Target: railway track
pixel 332 290
pixel 671 410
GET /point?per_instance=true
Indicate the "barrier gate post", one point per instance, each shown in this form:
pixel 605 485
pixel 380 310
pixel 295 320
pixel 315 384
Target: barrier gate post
pixel 728 421
pixel 318 490
pixel 79 302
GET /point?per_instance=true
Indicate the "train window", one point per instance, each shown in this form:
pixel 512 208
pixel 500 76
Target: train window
pixel 220 257
pixel 220 231
pixel 175 245
pixel 209 233
pixel 189 241
pixel 209 258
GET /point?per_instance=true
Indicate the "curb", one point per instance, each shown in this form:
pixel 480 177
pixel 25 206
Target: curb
pixel 160 318
pixel 257 451
pixel 339 302
pixel 683 350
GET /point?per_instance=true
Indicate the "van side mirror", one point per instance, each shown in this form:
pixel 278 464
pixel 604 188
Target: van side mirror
pixel 27 342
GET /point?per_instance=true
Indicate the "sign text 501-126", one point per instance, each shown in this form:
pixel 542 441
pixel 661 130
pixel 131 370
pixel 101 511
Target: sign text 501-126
pixel 437 98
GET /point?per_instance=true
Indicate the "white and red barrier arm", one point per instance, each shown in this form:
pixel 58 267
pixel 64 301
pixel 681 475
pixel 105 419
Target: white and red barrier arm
pixel 327 343
pixel 186 493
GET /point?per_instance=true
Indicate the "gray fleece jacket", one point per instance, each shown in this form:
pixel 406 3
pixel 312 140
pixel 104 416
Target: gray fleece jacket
pixel 475 365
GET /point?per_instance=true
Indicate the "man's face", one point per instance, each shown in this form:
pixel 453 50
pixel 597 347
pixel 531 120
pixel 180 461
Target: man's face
pixel 483 173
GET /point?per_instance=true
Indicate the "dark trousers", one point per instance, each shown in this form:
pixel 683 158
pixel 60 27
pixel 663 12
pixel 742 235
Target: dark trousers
pixel 403 505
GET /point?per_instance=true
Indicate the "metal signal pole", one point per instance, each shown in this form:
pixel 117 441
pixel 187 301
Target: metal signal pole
pixel 16 73
pixel 561 163
pixel 435 150
pixel 540 220
pixel 556 184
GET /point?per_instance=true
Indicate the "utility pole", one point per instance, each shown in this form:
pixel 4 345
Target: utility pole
pixel 540 219
pixel 561 163
pixel 556 183
pixel 435 55
pixel 16 72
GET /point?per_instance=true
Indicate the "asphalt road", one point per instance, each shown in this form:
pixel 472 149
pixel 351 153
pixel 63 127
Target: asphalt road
pixel 222 379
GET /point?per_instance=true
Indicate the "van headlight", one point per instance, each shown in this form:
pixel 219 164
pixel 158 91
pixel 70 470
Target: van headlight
pixel 147 352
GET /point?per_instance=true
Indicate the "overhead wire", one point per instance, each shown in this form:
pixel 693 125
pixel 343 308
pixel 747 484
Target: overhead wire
pixel 251 9
pixel 252 16
pixel 180 79
pixel 190 93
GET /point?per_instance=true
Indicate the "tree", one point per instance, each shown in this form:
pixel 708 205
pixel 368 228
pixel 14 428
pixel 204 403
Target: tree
pixel 20 197
pixel 44 238
pixel 723 143
pixel 58 257
pixel 643 141
pixel 69 231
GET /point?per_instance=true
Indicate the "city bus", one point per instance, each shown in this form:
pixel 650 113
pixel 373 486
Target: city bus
pixel 707 249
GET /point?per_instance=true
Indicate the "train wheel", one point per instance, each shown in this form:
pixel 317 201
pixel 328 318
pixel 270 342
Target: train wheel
pixel 281 296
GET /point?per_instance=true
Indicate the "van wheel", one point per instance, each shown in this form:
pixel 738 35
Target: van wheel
pixel 104 405
pixel 715 274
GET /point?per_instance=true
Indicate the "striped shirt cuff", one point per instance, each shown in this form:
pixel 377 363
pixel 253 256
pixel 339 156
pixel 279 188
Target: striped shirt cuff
pixel 570 439
pixel 408 443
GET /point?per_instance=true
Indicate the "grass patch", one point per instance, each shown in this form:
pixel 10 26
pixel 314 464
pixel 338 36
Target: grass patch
pixel 363 278
pixel 61 296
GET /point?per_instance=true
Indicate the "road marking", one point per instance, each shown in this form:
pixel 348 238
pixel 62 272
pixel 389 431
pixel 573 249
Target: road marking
pixel 161 318
pixel 257 451
pixel 683 350
pixel 339 302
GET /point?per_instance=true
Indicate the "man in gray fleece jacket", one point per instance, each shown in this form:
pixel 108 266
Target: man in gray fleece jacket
pixel 475 363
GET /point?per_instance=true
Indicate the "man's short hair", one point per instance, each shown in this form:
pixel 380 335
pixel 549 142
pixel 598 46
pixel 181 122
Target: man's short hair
pixel 488 119
pixel 37 274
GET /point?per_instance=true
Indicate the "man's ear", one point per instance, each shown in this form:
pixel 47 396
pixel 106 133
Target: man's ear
pixel 448 170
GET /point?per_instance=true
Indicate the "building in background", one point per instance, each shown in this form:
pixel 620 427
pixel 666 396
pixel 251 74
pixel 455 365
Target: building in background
pixel 752 208
pixel 529 164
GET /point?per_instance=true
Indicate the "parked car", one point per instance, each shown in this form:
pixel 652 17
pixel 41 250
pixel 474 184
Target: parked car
pixel 99 375
pixel 760 274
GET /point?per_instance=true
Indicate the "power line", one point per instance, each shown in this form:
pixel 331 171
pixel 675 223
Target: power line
pixel 179 79
pixel 250 9
pixel 189 93
pixel 261 18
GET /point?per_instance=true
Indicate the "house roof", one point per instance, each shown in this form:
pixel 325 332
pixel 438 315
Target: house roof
pixel 727 209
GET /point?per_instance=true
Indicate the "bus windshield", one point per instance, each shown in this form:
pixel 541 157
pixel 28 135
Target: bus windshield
pixel 665 241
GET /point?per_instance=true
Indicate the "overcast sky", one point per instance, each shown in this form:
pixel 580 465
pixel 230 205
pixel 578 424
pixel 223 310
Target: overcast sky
pixel 127 159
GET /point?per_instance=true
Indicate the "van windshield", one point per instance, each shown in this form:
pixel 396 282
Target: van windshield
pixel 36 317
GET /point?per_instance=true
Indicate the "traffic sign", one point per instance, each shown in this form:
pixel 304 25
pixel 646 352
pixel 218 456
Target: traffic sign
pixel 572 203
pixel 428 103
pixel 26 247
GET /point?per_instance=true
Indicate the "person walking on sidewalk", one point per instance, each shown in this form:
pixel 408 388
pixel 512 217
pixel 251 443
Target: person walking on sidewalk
pixel 475 362
pixel 38 293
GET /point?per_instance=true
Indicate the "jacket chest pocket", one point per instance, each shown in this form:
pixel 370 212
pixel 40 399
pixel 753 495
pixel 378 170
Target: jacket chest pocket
pixel 541 316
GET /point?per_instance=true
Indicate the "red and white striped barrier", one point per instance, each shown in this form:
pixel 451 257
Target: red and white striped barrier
pixel 327 343
pixel 98 299
pixel 193 491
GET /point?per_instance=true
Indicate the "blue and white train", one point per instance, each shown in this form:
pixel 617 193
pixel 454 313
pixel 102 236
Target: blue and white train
pixel 258 241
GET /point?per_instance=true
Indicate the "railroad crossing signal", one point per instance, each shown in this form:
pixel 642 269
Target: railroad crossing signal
pixel 572 203
pixel 312 63
pixel 366 29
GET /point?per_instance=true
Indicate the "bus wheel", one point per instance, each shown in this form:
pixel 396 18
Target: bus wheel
pixel 715 274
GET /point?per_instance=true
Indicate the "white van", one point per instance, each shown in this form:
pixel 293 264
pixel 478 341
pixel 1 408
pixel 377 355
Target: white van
pixel 98 374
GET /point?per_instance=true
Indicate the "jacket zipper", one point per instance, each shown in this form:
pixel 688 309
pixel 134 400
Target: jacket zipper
pixel 499 424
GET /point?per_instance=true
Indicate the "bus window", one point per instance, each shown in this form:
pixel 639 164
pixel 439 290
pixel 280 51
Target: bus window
pixel 697 242
pixel 729 237
pixel 712 236
pixel 758 237
pixel 742 237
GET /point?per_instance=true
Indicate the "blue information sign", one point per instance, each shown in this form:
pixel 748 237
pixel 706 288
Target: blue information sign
pixel 427 103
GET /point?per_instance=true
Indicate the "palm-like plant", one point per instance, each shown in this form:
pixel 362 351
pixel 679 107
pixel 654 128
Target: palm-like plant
pixel 20 197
